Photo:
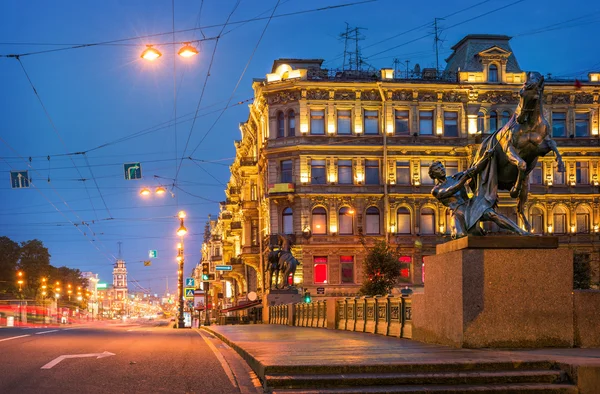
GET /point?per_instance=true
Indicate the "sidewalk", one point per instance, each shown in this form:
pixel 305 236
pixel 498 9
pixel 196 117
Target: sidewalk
pixel 276 348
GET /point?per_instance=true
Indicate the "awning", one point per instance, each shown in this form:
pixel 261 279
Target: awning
pixel 242 307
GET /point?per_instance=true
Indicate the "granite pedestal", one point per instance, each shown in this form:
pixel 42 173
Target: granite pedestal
pixel 497 291
pixel 279 297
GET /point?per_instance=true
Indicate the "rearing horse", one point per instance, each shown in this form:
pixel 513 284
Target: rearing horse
pixel 517 146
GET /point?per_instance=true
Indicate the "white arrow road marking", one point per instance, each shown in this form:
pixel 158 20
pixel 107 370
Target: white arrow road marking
pixel 8 339
pixel 60 358
pixel 45 332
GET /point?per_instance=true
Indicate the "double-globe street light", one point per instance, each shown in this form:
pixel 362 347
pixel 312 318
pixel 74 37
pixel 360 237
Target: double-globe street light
pixel 180 259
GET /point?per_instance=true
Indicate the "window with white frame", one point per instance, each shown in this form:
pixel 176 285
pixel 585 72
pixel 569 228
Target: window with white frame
pixel 371 120
pixel 427 221
pixel 403 222
pixel 319 221
pixel 344 172
pixel 317 172
pixel 344 122
pixel 401 122
pixel 287 219
pixel 317 122
pixel 372 221
pixel 426 122
pixel 450 124
pixel 346 220
pixel 403 173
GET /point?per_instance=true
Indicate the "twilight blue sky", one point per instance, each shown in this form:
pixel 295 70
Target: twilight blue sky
pixel 106 101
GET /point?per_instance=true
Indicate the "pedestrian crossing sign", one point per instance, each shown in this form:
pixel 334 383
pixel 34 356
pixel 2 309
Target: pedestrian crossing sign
pixel 189 292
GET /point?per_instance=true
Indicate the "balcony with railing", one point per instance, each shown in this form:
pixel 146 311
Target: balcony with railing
pixel 248 162
pixel 250 250
pixel 217 258
pixel 226 216
pixel 250 204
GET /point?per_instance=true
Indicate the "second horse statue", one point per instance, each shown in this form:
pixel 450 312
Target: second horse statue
pixel 281 262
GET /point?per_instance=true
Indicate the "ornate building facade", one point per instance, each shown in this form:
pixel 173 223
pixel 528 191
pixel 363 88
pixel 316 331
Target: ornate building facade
pixel 331 158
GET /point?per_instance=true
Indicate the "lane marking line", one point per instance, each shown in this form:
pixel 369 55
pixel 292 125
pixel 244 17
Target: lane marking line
pixel 219 356
pixel 20 336
pixel 45 332
pixel 74 328
pixel 66 356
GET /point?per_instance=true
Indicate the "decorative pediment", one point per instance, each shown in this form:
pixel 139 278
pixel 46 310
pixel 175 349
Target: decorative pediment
pixel 494 52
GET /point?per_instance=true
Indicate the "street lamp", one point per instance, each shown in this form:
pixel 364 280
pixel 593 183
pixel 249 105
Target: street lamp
pixel 180 259
pixel 20 280
pixel 151 53
pixel 187 50
pixel 159 191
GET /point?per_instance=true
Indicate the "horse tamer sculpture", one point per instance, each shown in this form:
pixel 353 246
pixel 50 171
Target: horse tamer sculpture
pixel 282 262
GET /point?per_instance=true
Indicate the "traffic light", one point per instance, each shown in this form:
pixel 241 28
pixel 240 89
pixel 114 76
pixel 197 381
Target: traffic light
pixel 307 297
pixel 205 273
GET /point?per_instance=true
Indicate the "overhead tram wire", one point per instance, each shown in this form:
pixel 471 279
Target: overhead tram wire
pixel 320 9
pixel 212 59
pixel 55 129
pixel 239 79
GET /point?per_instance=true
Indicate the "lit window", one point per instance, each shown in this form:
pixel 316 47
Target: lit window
pixel 372 172
pixel 317 172
pixel 346 221
pixel 403 173
pixel 582 215
pixel 347 266
pixel 450 124
pixel 425 178
pixel 493 121
pixel 319 221
pixel 291 123
pixel 288 221
pixel 427 221
pixel 560 220
pixel 493 73
pixel 253 233
pixel 286 171
pixel 371 122
pixel 405 262
pixel 536 219
pixel 372 216
pixel 558 178
pixel 581 173
pixel 426 122
pixel 344 122
pixel 480 122
pixel 582 124
pixel 280 125
pixel 317 122
pixel 345 172
pixel 401 122
pixel 403 225
pixel 320 269
pixel 559 124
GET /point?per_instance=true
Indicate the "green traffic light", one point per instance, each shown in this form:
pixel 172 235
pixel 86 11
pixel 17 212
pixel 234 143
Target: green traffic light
pixel 204 276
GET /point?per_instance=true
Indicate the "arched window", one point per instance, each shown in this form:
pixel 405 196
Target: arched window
pixel 536 219
pixel 319 221
pixel 288 221
pixel 291 123
pixel 493 73
pixel 560 220
pixel 346 221
pixel 505 118
pixel 427 221
pixel 280 125
pixel 372 216
pixel 493 121
pixel 403 222
pixel 480 122
pixel 582 216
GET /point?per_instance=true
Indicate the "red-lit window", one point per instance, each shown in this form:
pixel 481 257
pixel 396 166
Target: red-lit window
pixel 320 269
pixel 347 266
pixel 405 268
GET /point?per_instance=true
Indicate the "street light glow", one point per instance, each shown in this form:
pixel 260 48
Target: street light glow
pixel 151 53
pixel 181 214
pixel 160 190
pixel 182 230
pixel 187 50
pixel 145 191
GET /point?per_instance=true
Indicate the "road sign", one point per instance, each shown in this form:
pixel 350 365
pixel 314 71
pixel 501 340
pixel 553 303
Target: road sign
pixel 101 286
pixel 189 292
pixel 223 268
pixel 152 254
pixel 147 263
pixel 320 290
pixel 190 282
pixel 132 171
pixel 19 179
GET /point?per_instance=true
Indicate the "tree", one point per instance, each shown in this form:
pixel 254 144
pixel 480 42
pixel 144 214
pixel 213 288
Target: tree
pixel 381 270
pixel 9 257
pixel 582 275
pixel 35 264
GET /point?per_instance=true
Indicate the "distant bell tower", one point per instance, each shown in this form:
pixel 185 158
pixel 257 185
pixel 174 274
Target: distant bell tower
pixel 120 278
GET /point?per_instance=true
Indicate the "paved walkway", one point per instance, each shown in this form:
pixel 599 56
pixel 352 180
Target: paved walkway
pixel 265 346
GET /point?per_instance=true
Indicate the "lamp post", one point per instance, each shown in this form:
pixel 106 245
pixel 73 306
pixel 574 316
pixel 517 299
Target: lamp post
pixel 20 282
pixel 180 259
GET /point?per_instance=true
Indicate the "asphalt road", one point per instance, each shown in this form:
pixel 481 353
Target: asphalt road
pixel 144 357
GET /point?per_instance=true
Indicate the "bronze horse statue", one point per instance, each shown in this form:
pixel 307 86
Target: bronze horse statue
pixel 281 261
pixel 517 147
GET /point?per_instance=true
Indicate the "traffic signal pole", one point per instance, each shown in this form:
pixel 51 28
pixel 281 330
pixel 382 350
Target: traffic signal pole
pixel 206 287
